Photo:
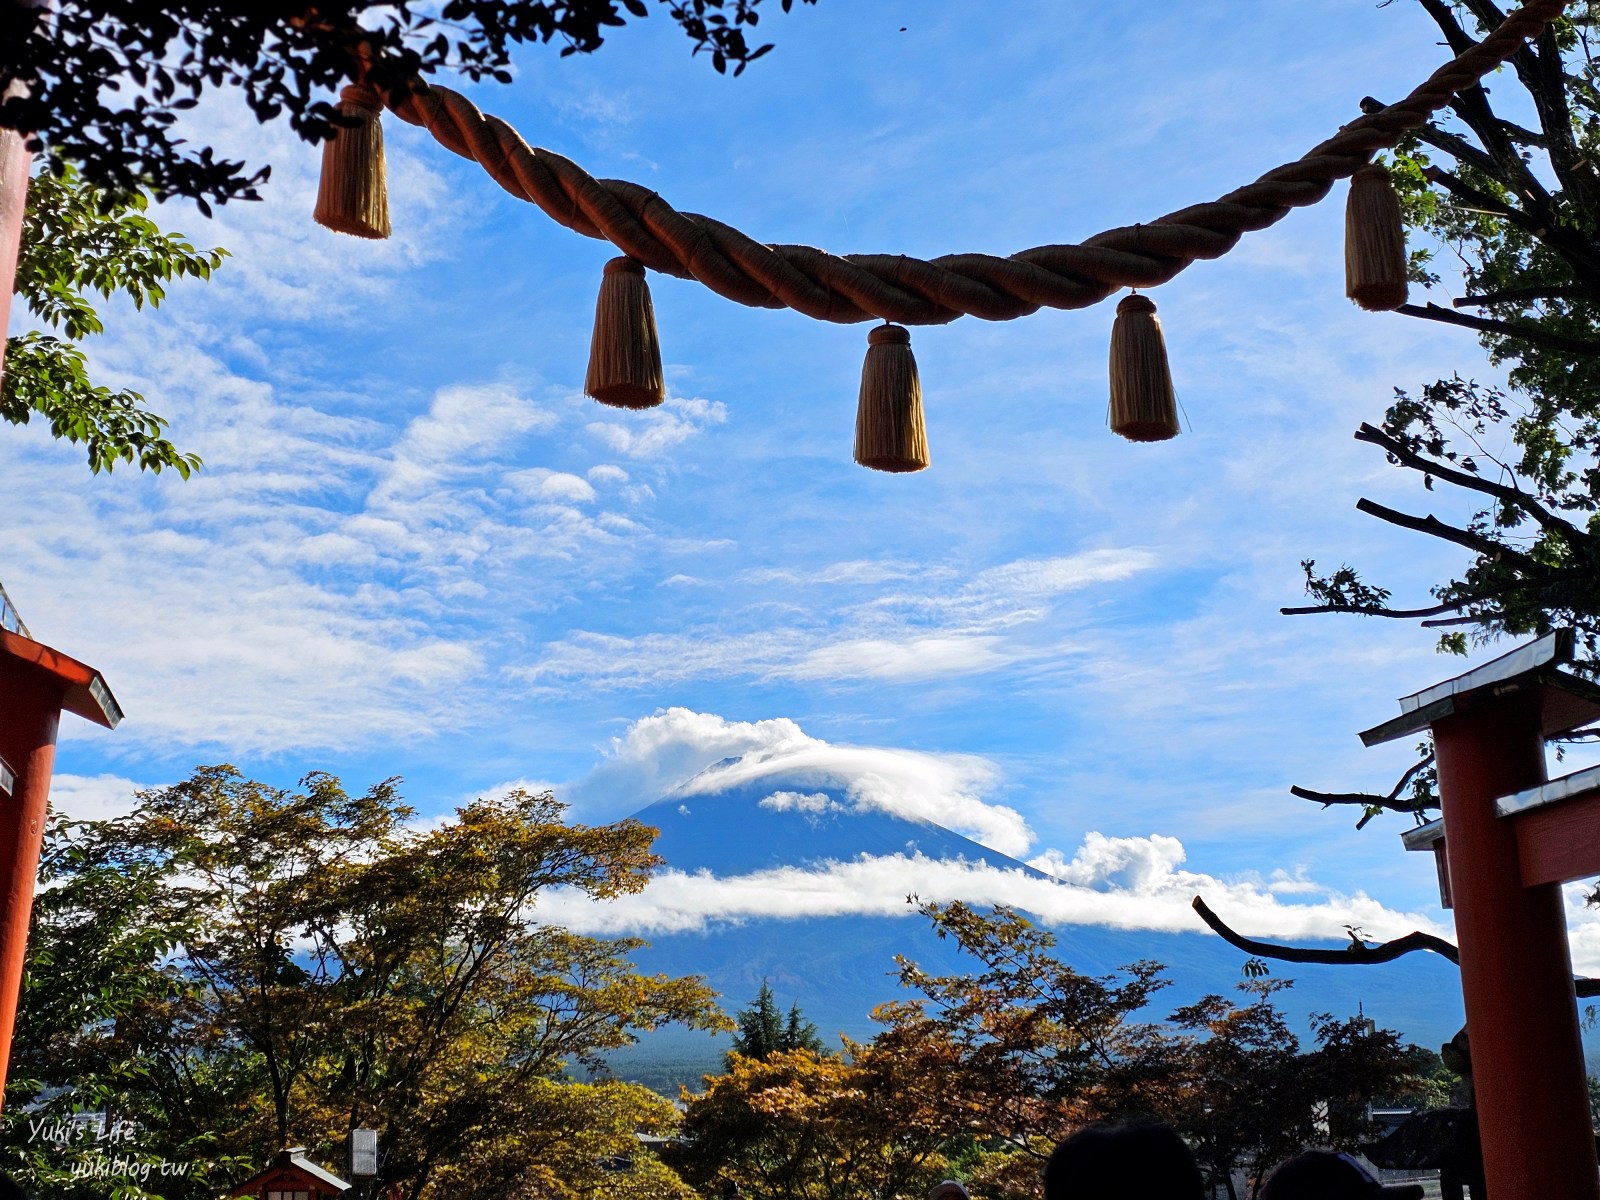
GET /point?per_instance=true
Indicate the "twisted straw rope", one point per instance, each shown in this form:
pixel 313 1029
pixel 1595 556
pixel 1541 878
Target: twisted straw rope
pixel 863 287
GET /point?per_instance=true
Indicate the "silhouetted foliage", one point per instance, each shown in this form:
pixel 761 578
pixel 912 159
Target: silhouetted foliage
pixel 107 81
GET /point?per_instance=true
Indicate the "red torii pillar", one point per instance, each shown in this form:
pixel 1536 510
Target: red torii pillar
pixel 37 684
pixel 1489 727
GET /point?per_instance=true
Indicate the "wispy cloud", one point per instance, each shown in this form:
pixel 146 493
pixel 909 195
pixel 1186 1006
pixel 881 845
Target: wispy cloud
pixel 313 587
pixel 1155 898
pixel 932 624
pixel 657 430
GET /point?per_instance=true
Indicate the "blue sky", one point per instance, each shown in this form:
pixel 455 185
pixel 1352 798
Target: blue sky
pixel 417 550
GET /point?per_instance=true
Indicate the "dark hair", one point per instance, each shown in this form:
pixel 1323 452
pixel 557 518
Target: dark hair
pixel 1325 1175
pixel 1139 1158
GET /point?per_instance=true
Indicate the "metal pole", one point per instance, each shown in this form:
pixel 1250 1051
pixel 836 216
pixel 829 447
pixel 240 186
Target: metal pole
pixel 1516 968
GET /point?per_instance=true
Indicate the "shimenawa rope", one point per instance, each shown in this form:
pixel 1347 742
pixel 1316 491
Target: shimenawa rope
pixel 910 291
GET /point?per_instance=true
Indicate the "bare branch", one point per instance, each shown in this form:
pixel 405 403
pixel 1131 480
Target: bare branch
pixel 1465 479
pixel 1459 40
pixel 1452 144
pixel 1526 136
pixel 1540 220
pixel 1371 800
pixel 1434 527
pixel 1526 333
pixel 1397 613
pixel 1512 294
pixel 1352 955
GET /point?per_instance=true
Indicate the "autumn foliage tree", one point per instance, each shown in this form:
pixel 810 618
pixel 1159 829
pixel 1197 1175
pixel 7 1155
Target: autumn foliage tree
pixel 238 968
pixel 980 1073
pixel 799 1125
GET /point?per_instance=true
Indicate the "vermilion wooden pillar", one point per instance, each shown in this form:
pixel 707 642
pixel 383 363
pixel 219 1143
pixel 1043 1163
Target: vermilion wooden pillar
pixel 1489 729
pixel 1516 969
pixel 37 684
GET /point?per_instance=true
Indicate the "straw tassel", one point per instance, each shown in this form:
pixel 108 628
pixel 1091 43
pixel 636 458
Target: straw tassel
pixel 1374 242
pixel 889 431
pixel 624 355
pixel 1144 407
pixel 353 195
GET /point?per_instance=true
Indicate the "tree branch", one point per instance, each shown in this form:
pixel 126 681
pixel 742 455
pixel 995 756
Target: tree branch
pixel 1535 224
pixel 1512 294
pixel 1381 953
pixel 1542 74
pixel 1526 333
pixel 1397 613
pixel 1464 479
pixel 1371 800
pixel 1452 144
pixel 1472 105
pixel 1434 527
pixel 1352 955
pixel 1526 136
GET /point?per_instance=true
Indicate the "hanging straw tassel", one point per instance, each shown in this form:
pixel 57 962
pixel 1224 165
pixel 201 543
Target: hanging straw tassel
pixel 1374 242
pixel 889 432
pixel 1144 407
pixel 353 195
pixel 624 355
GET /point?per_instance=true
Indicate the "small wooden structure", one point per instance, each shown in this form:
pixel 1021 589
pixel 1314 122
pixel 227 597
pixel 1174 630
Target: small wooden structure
pixel 292 1176
pixel 37 684
pixel 1505 843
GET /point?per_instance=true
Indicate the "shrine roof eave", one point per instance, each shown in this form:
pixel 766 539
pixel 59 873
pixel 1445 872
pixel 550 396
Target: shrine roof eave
pixel 1567 701
pixel 83 692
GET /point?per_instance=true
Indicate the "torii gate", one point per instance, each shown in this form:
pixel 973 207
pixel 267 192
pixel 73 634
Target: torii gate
pixel 37 684
pixel 1506 842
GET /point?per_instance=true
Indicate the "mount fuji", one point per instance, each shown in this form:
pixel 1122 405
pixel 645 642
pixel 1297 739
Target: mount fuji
pixel 804 880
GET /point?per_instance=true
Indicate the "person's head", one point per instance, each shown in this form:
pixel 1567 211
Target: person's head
pixel 1127 1158
pixel 950 1189
pixel 1324 1175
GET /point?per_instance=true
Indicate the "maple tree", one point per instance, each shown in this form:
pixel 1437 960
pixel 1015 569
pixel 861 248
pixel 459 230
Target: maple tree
pixel 238 968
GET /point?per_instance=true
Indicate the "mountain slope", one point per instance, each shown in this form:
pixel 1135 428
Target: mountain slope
pixel 838 967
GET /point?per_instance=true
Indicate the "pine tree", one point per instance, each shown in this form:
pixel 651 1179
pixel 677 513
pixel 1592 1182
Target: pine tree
pixel 762 1031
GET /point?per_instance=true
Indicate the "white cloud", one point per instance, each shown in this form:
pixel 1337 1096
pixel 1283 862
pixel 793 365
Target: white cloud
pixel 660 752
pixel 1583 929
pixel 907 659
pixel 652 432
pixel 857 571
pixel 319 583
pixel 816 803
pixel 541 483
pixel 1155 897
pixel 701 753
pixel 93 797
